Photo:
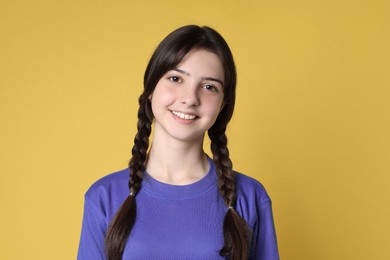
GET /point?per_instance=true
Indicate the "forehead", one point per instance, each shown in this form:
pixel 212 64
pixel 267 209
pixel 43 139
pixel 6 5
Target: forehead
pixel 202 63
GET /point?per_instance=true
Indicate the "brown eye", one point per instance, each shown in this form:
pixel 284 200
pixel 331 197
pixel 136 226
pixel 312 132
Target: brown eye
pixel 174 79
pixel 210 87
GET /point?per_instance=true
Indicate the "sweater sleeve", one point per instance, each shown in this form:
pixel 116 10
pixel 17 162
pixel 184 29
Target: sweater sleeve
pixel 264 243
pixel 93 230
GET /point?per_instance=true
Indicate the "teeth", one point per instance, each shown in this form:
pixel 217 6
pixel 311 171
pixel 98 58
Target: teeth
pixel 183 116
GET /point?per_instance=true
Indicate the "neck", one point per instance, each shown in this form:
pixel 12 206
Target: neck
pixel 175 162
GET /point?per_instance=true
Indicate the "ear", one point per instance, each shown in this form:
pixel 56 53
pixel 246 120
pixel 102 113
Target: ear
pixel 150 97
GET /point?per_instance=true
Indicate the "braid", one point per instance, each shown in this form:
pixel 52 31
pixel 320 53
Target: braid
pixel 226 179
pixel 235 229
pixel 122 223
pixel 140 148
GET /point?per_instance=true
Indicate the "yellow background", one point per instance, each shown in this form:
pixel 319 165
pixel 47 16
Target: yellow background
pixel 312 119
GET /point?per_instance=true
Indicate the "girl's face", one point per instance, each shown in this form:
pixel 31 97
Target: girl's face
pixel 187 99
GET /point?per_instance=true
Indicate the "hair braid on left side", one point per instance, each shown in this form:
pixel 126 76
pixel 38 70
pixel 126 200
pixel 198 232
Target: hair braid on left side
pixel 224 167
pixel 236 231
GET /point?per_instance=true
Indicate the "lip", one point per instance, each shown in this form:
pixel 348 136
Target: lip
pixel 180 116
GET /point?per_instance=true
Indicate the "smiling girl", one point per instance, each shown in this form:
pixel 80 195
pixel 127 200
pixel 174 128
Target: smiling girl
pixel 174 201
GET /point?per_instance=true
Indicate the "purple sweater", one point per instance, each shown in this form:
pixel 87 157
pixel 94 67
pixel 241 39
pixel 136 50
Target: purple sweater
pixel 176 222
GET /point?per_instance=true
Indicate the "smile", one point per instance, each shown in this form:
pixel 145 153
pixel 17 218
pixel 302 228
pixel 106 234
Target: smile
pixel 184 116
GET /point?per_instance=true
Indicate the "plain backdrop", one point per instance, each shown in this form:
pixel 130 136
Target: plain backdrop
pixel 311 123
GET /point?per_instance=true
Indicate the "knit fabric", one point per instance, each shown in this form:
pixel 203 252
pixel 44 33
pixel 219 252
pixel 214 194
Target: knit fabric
pixel 176 222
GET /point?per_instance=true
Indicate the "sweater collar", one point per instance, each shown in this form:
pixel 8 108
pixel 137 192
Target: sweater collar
pixel 160 189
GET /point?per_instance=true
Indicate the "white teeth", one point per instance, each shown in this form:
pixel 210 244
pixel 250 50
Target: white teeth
pixel 183 116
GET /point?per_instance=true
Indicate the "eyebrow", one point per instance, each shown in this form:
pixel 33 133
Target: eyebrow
pixel 204 78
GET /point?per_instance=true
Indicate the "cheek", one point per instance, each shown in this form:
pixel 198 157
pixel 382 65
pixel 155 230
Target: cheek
pixel 161 98
pixel 214 105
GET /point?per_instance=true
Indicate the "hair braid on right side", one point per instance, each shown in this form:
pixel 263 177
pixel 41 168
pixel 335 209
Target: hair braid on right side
pixel 236 231
pixel 140 147
pixel 122 223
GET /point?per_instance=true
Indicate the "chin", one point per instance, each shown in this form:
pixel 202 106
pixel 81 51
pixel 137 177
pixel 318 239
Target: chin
pixel 180 136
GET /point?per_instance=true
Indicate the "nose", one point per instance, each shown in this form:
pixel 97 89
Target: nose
pixel 190 96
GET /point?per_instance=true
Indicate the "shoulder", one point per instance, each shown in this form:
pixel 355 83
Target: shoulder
pixel 249 188
pixel 110 190
pixel 108 182
pixel 253 201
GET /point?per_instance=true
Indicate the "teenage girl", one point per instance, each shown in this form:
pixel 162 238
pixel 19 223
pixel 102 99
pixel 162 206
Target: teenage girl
pixel 175 202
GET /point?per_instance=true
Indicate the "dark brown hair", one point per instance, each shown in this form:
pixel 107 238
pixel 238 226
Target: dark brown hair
pixel 167 56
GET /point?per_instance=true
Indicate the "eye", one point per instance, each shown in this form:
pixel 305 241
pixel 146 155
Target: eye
pixel 210 87
pixel 174 78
